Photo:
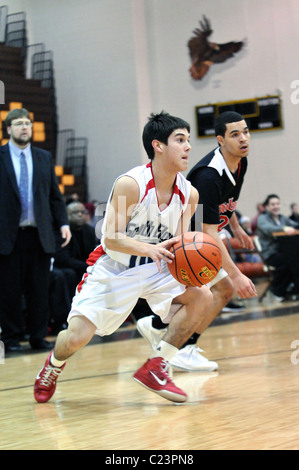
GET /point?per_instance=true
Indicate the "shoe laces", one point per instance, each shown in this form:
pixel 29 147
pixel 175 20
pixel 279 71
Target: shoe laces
pixel 50 375
pixel 194 350
pixel 166 369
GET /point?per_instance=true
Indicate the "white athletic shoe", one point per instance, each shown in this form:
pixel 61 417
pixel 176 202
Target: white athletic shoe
pixel 152 335
pixel 189 358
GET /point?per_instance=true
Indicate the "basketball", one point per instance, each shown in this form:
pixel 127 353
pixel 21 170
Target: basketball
pixel 197 259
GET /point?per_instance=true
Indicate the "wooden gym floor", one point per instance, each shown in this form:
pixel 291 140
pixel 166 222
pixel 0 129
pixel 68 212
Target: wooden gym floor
pixel 251 403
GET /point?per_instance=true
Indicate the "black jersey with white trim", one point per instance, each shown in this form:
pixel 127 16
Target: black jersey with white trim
pixel 218 188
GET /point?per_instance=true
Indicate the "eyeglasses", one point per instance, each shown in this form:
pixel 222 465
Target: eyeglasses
pixel 22 124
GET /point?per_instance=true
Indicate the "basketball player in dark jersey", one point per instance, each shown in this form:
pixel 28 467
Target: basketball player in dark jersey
pixel 218 177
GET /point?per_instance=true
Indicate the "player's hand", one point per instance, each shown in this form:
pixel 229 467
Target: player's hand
pixel 244 286
pixel 161 252
pixel 244 239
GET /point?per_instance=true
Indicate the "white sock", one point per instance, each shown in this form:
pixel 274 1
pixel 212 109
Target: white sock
pixel 55 361
pixel 165 350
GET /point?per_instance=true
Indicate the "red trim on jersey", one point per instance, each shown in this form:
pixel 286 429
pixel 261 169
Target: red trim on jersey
pixel 92 259
pixel 95 255
pixel 176 190
pixel 150 185
pixel 239 170
pixel 80 285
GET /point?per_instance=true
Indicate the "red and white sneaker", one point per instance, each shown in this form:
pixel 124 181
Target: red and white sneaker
pixel 154 375
pixel 45 383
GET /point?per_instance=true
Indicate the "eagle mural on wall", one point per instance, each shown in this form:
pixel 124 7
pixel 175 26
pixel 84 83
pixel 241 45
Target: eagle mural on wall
pixel 203 53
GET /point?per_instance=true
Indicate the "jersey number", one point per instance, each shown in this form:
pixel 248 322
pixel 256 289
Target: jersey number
pixel 224 220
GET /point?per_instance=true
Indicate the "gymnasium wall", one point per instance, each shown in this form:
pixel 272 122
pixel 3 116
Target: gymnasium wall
pixel 118 60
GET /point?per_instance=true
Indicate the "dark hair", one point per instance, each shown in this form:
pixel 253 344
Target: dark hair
pixel 226 118
pixel 15 114
pixel 269 197
pixel 160 126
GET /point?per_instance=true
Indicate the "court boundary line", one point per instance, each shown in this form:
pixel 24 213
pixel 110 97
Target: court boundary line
pixel 117 373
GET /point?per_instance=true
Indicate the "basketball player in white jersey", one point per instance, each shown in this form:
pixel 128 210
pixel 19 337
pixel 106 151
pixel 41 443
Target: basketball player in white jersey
pixel 148 208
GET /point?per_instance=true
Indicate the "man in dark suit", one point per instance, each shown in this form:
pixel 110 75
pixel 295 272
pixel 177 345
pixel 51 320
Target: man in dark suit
pixel 31 206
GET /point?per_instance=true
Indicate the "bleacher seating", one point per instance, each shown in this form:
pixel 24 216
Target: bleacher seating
pixel 250 269
pixel 22 92
pixel 37 94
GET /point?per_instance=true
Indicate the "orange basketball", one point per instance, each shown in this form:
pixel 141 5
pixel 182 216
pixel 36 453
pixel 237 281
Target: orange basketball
pixel 197 259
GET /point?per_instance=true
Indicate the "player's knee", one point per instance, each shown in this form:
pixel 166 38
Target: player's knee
pixel 74 342
pixel 202 299
pixel 201 296
pixel 78 334
pixel 224 290
pixel 228 293
pixel 207 296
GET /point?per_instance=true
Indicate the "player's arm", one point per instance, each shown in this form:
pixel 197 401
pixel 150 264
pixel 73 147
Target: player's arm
pixel 242 284
pixel 184 223
pixel 227 262
pixel 240 234
pixel 124 199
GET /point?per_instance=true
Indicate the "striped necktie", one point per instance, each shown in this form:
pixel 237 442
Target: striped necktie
pixel 23 187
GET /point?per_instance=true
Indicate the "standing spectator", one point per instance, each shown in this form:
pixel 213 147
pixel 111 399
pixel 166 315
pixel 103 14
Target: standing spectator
pixel 30 206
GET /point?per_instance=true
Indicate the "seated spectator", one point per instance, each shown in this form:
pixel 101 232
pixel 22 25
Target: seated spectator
pixel 245 224
pixel 72 258
pixel 89 213
pixel 260 210
pixel 295 212
pixel 268 223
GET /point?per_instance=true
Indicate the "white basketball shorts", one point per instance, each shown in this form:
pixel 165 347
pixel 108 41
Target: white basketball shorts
pixel 221 275
pixel 110 291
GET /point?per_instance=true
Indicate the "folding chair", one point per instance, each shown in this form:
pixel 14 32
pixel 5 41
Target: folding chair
pixel 267 268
